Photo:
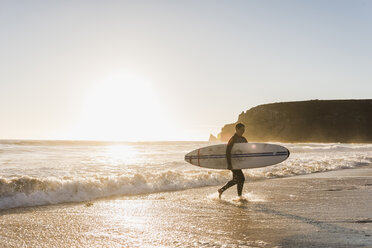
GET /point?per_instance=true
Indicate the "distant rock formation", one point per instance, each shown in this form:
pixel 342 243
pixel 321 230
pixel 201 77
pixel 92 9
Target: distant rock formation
pixel 347 121
pixel 212 138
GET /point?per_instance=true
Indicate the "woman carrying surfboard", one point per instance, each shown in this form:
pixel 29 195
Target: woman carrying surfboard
pixel 238 176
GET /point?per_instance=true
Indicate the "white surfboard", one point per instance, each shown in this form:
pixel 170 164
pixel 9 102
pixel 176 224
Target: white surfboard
pixel 243 156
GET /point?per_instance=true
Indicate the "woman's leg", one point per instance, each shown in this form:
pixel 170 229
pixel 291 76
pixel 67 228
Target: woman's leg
pixel 228 184
pixel 240 181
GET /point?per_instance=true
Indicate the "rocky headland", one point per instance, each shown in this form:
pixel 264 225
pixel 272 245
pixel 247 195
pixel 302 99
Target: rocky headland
pixel 346 121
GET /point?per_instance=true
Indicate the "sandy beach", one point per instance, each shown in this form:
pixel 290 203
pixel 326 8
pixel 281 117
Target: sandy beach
pixel 328 209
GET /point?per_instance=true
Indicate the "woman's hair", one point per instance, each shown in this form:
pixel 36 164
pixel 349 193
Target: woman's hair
pixel 239 125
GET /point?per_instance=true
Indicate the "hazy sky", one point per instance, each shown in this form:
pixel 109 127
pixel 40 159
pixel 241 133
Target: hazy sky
pixel 172 70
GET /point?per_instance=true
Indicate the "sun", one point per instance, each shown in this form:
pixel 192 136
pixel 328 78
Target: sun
pixel 122 107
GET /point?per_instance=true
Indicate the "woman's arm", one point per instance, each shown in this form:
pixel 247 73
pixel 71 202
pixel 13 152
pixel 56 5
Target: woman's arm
pixel 228 153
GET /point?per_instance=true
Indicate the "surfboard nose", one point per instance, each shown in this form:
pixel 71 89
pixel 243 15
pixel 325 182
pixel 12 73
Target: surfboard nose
pixel 188 157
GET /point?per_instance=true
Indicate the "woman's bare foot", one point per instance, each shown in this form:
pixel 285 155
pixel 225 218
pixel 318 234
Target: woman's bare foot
pixel 220 193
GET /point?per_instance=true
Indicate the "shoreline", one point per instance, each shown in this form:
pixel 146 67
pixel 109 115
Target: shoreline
pixel 362 171
pixel 325 209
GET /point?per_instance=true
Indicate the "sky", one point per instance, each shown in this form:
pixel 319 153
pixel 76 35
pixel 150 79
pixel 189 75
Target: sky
pixel 172 70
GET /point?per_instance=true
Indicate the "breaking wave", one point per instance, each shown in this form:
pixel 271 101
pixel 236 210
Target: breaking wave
pixel 32 191
pixel 34 173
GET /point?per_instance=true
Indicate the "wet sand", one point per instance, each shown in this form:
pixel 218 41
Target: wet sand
pixel 330 209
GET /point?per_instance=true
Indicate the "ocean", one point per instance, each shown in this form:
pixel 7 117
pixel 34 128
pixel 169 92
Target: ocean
pixel 34 173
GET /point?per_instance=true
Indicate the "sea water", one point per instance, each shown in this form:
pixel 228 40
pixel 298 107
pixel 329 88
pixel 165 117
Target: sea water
pixel 48 172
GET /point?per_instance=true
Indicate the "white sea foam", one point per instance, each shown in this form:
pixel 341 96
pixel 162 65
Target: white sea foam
pixel 40 174
pixel 246 197
pixel 31 191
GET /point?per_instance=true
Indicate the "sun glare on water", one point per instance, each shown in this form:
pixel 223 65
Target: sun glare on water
pixel 119 154
pixel 122 107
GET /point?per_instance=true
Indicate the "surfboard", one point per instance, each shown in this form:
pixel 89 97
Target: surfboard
pixel 243 156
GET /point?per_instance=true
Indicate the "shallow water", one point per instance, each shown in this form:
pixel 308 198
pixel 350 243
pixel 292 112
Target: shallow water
pixel 278 213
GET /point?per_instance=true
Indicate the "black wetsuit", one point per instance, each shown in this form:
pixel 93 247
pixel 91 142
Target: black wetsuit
pixel 238 176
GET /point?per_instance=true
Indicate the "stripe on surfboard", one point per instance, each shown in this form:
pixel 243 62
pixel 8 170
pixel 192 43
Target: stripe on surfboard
pixel 243 155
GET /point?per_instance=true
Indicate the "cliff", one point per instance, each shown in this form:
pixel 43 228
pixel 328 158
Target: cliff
pixel 212 138
pixel 348 121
